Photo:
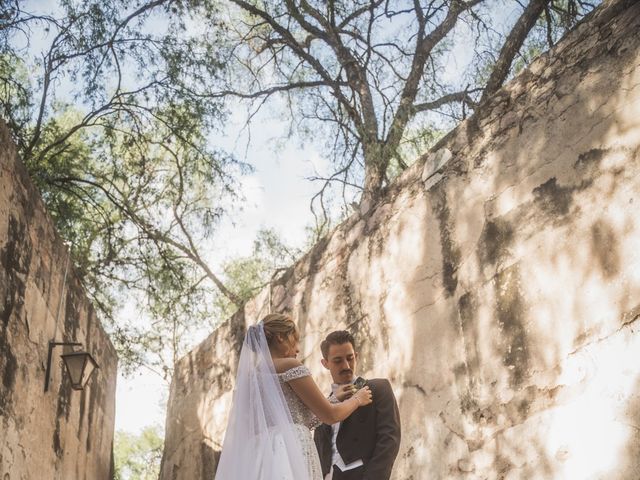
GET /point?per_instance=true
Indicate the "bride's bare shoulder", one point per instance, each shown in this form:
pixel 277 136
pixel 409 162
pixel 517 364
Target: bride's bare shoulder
pixel 283 364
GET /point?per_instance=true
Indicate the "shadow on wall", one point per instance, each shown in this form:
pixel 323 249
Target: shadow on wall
pixel 15 258
pixel 494 312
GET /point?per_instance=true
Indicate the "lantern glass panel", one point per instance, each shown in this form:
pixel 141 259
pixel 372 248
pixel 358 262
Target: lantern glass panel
pixel 80 366
pixel 88 371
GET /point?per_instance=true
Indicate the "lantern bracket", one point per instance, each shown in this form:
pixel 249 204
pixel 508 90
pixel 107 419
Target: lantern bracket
pixel 51 347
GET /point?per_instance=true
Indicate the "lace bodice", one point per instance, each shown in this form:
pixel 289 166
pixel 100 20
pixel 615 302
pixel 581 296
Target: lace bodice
pixel 299 411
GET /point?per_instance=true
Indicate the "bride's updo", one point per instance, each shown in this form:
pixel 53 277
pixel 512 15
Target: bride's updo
pixel 278 325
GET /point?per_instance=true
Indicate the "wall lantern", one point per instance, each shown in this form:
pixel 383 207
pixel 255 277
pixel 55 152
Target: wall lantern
pixel 79 365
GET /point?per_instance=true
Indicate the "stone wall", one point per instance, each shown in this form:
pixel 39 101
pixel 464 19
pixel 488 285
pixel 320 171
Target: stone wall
pixel 61 434
pixel 497 285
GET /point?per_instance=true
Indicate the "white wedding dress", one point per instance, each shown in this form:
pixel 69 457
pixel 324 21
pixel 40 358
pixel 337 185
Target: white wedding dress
pixel 268 436
pixel 304 419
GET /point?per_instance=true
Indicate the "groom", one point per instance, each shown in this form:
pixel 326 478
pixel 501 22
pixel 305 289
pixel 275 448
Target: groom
pixel 365 445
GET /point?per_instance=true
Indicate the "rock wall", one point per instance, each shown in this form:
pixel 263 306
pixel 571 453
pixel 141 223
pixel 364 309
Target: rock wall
pixel 61 434
pixel 497 285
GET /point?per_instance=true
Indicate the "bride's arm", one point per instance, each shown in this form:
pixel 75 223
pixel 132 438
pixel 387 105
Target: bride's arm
pixel 329 413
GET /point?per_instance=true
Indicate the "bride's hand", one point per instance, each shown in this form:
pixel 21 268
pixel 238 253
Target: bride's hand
pixel 363 396
pixel 344 392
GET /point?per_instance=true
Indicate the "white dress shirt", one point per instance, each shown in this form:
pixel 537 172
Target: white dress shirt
pixel 336 458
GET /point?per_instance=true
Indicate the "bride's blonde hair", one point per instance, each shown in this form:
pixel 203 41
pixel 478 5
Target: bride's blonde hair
pixel 278 325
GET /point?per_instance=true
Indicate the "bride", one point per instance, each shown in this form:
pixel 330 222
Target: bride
pixel 276 404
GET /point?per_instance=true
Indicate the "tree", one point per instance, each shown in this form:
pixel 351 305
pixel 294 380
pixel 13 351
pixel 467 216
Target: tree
pixel 367 70
pixel 114 105
pixel 138 457
pixel 110 124
pixel 248 275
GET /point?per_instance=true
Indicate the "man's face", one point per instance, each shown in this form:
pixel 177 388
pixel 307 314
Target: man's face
pixel 341 362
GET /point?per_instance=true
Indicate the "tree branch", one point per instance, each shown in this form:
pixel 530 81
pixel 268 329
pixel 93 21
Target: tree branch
pixel 512 46
pixel 462 96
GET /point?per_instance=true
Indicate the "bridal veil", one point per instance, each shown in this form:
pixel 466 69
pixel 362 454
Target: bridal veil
pixel 261 441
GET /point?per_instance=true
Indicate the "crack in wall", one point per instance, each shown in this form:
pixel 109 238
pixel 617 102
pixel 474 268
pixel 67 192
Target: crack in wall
pixel 631 316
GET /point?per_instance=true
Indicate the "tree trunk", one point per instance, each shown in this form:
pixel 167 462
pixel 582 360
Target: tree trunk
pixel 375 167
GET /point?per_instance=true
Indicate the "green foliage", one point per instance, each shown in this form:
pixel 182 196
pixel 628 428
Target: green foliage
pixel 15 91
pixel 109 104
pixel 417 140
pixel 138 457
pixel 248 275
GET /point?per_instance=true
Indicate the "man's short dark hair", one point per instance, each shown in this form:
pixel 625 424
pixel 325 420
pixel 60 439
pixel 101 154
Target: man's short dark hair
pixel 338 337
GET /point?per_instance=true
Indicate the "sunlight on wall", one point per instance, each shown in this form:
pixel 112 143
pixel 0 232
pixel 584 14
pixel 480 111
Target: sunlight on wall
pixel 591 434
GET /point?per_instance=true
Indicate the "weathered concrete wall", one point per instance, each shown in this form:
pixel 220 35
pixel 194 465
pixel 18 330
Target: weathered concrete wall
pixel 497 285
pixel 62 434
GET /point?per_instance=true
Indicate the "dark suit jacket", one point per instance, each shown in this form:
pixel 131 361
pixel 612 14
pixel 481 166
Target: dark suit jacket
pixel 371 433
